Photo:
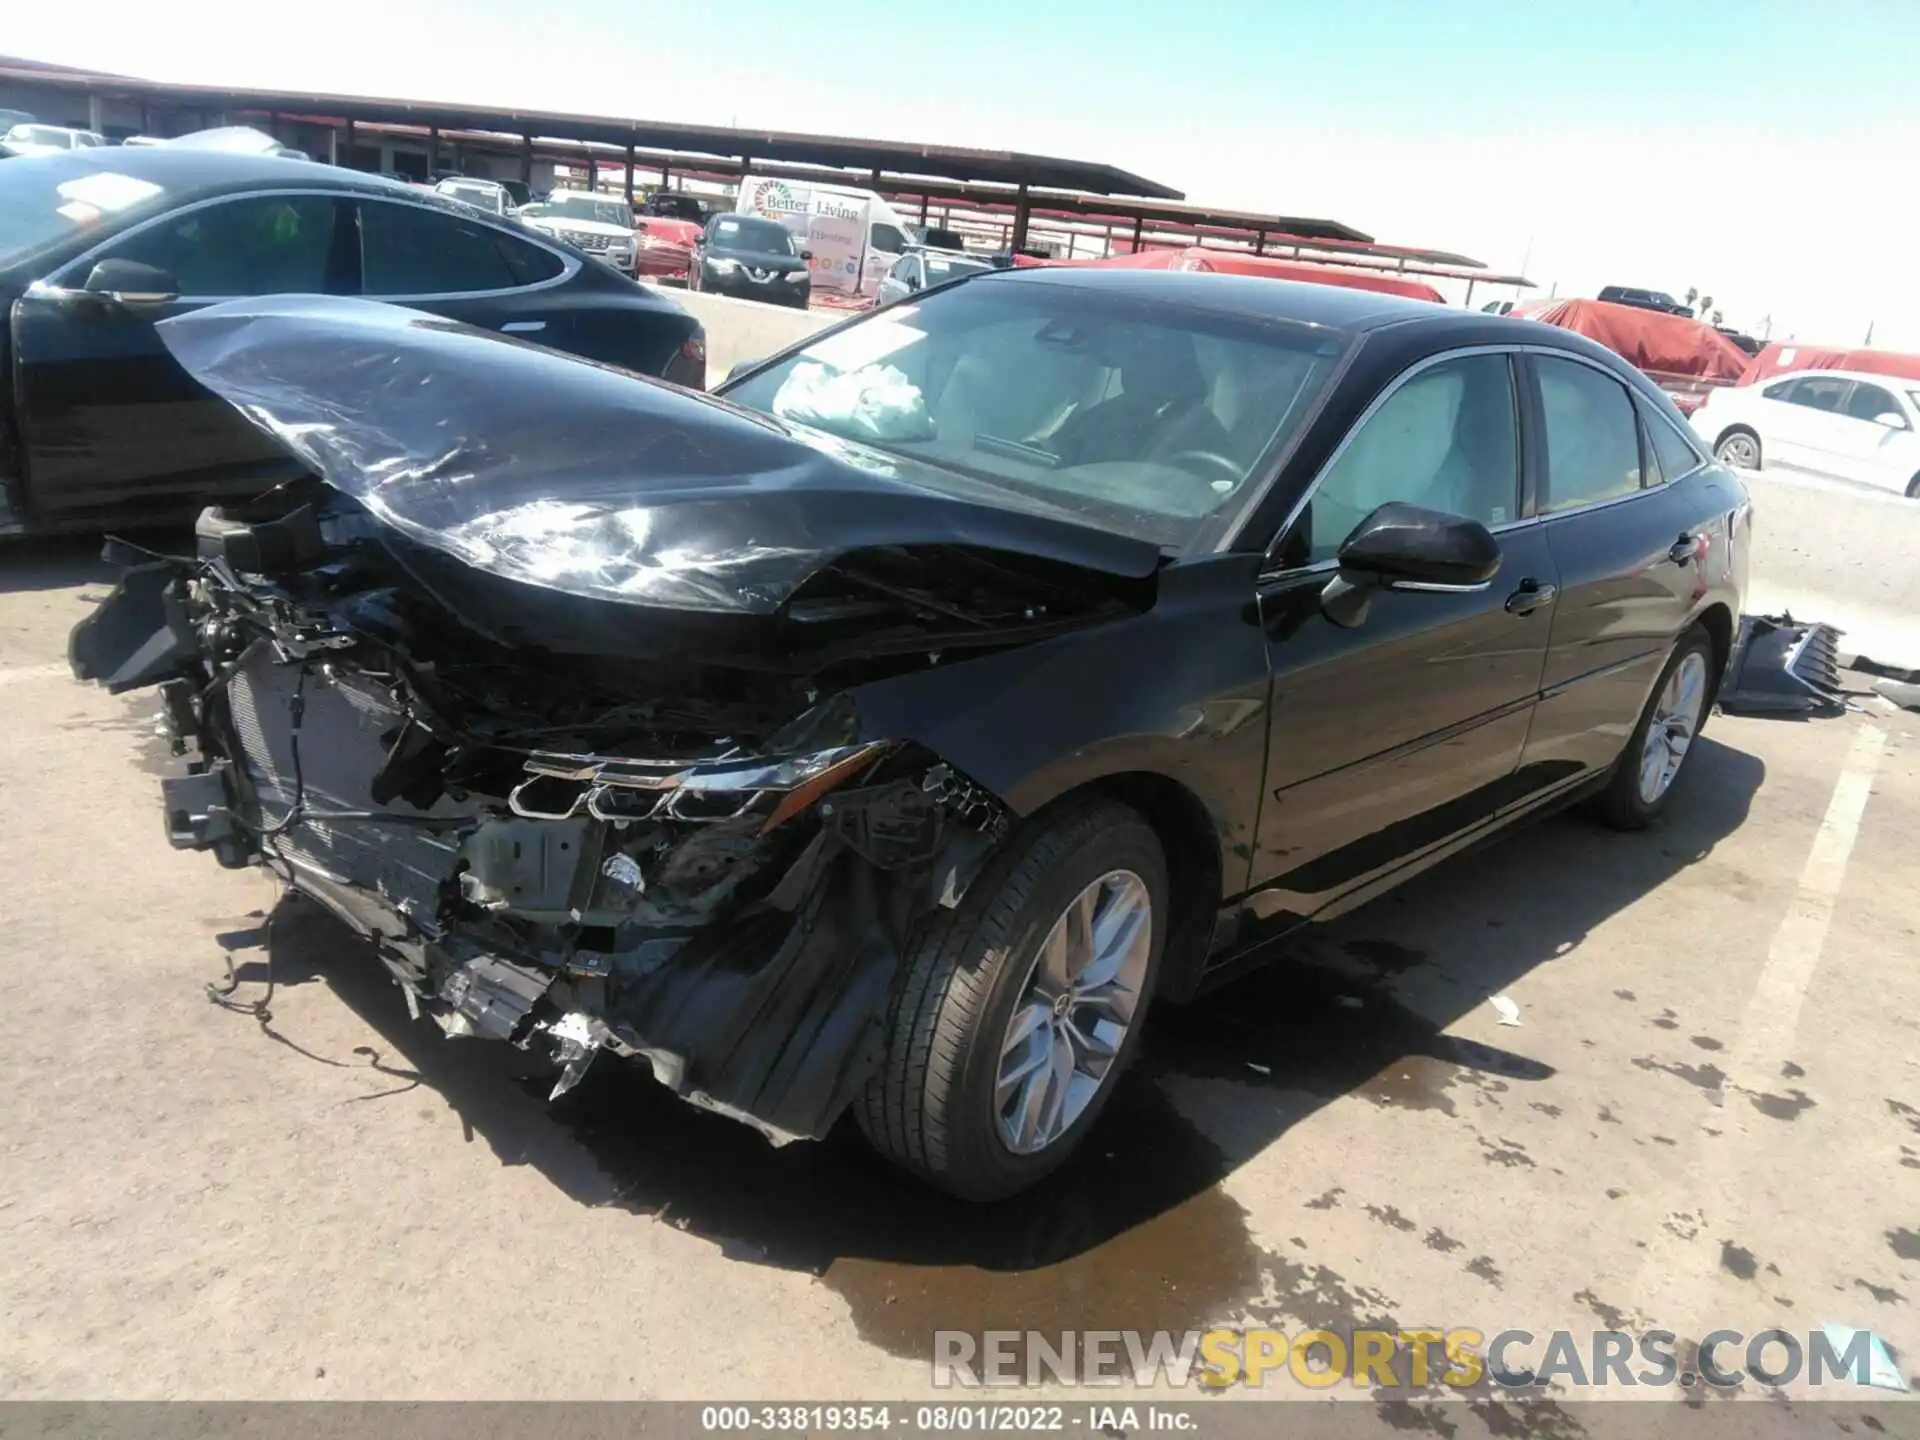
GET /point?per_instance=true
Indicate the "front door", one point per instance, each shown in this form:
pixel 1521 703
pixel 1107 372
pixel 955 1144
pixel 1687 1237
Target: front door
pixel 1873 438
pixel 1389 738
pixel 111 426
pixel 1802 428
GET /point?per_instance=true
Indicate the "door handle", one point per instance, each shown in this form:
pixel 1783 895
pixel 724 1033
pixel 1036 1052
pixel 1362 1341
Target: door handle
pixel 1684 550
pixel 1530 597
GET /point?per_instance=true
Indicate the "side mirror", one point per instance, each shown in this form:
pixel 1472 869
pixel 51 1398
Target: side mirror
pixel 1892 419
pixel 129 282
pixel 806 255
pixel 1406 547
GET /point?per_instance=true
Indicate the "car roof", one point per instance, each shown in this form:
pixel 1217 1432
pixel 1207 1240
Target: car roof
pixel 1259 295
pixel 186 172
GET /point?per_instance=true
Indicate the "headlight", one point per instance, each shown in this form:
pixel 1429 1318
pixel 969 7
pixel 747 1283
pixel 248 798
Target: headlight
pixel 723 267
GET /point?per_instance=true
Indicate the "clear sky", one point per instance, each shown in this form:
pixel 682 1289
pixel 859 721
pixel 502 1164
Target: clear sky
pixel 1763 152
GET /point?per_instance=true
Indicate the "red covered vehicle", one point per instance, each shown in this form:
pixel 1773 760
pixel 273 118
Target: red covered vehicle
pixel 1684 357
pixel 1788 357
pixel 664 245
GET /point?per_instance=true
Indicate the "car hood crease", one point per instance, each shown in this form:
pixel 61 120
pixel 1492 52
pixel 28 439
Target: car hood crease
pixel 585 479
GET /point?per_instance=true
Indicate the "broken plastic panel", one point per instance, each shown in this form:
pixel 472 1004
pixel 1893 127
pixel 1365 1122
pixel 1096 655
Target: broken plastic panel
pixel 1781 666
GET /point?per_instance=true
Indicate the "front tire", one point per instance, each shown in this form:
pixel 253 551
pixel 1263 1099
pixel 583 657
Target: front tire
pixel 1016 1012
pixel 1739 448
pixel 1644 777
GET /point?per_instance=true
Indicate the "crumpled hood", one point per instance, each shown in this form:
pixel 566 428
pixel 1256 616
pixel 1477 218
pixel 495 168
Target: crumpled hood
pixel 551 470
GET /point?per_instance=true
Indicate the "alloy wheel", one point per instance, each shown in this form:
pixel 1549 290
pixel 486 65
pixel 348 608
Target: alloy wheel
pixel 1074 1012
pixel 1740 451
pixel 1675 721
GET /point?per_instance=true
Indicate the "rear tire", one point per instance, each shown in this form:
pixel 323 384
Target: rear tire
pixel 1739 447
pixel 949 1087
pixel 1632 798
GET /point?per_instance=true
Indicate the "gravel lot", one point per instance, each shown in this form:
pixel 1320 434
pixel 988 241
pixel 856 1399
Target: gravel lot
pixel 1708 1117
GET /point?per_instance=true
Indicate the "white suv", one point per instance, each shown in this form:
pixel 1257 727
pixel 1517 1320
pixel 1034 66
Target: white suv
pixel 601 225
pixel 1857 426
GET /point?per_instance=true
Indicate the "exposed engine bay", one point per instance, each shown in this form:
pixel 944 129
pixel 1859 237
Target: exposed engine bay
pixel 663 835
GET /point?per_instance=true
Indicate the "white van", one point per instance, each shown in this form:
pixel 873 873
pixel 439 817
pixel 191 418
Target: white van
pixel 854 235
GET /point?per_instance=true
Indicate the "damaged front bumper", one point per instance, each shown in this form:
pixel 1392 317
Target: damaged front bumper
pixel 732 913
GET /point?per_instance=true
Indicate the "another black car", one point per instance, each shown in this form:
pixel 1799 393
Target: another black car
pixel 888 733
pixel 1644 299
pixel 100 425
pixel 753 258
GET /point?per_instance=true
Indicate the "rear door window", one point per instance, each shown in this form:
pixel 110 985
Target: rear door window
pixel 1819 392
pixel 1593 438
pixel 411 250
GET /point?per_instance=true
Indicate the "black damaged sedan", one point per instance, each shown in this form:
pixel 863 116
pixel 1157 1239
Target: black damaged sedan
pixel 99 426
pixel 889 733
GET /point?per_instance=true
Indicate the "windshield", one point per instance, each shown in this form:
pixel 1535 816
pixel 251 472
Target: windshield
pixel 1141 418
pixel 944 267
pixel 586 207
pixel 762 237
pixel 44 199
pixel 486 197
pixel 42 135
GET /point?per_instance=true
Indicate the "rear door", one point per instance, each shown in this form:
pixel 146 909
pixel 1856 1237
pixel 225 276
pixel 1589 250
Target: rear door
pixel 1390 738
pixel 111 427
pixel 1618 523
pixel 485 276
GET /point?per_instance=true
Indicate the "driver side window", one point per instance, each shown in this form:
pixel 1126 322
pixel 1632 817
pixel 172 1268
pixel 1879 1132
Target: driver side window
pixel 1445 440
pixel 258 245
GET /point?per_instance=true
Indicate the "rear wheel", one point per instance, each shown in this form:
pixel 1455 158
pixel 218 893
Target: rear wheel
pixel 1647 770
pixel 1739 448
pixel 1017 1012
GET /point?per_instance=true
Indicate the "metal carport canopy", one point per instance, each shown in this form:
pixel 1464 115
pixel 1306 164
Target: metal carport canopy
pixel 896 157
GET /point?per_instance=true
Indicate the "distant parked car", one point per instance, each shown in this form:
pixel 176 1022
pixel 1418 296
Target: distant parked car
pixel 32 139
pixel 665 246
pixel 915 272
pixel 1864 428
pixel 672 205
pixel 598 224
pixel 1643 299
pixel 753 258
pixel 96 246
pixel 481 194
pixel 1497 307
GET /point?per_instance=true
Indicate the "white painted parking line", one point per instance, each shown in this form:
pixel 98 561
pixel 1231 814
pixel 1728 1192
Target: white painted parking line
pixel 1678 1272
pixel 1773 1012
pixel 21 674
